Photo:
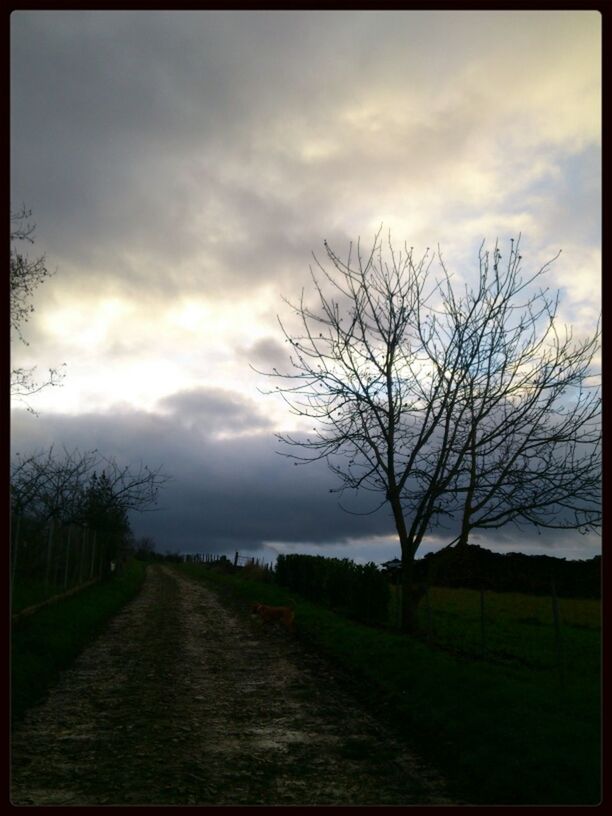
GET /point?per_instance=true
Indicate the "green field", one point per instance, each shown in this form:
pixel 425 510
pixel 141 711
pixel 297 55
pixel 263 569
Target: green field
pixel 503 730
pixel 518 629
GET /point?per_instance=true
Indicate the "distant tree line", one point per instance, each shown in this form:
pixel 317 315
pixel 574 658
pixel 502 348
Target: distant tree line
pixel 478 568
pixel 144 549
pixel 84 489
pixel 359 590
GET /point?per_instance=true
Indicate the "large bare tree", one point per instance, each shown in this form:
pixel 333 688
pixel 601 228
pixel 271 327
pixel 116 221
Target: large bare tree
pixel 446 405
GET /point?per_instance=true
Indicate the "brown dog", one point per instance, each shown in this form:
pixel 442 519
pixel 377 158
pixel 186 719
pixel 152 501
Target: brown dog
pixel 283 614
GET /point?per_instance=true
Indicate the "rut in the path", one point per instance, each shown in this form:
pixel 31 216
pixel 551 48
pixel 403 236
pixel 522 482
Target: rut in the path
pixel 182 701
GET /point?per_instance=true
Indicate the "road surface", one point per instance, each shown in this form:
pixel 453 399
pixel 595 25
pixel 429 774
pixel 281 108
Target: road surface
pixel 185 699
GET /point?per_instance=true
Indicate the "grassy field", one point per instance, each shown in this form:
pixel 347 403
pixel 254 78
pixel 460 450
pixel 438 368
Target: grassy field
pixel 49 640
pixel 518 629
pixel 503 733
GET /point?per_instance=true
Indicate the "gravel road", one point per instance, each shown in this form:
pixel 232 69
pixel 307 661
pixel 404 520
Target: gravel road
pixel 185 699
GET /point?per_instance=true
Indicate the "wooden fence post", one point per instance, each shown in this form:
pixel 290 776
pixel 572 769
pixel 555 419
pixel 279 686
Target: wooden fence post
pixel 84 538
pixel 49 548
pixel 15 549
pixel 100 559
pixel 58 557
pixel 93 554
pixel 67 556
pixel 558 635
pixel 236 560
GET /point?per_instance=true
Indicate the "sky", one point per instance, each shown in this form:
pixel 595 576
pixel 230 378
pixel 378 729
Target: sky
pixel 183 166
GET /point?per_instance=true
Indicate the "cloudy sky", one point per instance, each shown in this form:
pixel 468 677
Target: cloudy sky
pixel 181 167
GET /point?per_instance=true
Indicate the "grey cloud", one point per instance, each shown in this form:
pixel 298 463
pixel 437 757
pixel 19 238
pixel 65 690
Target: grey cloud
pixel 266 354
pixel 125 125
pixel 151 145
pixel 238 493
pixel 214 409
pixel 224 494
pixel 159 154
pixel 101 99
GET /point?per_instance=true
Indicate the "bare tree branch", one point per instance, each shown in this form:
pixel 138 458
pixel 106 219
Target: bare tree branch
pixel 449 403
pixel 26 274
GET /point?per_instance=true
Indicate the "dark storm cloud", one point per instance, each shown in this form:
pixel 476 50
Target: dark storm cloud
pixel 224 494
pixel 236 493
pixel 214 409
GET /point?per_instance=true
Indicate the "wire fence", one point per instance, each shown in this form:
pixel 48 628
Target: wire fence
pixel 203 558
pixel 49 559
pixel 248 560
pixel 562 634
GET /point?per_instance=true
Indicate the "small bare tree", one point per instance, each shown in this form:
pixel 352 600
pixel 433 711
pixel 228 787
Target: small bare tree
pixel 71 488
pixel 416 391
pixel 26 275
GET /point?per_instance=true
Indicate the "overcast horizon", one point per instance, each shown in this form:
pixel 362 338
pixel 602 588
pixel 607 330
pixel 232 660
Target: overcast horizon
pixel 182 167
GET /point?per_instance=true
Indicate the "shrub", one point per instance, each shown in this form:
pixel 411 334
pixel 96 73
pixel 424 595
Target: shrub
pixel 359 591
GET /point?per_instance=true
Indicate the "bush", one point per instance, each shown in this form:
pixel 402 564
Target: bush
pixel 359 591
pixel 257 572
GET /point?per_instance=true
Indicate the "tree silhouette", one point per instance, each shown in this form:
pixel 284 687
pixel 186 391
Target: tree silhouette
pixel 448 406
pixel 83 488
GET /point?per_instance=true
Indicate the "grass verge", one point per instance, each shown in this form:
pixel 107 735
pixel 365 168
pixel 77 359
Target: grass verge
pixel 49 640
pixel 502 735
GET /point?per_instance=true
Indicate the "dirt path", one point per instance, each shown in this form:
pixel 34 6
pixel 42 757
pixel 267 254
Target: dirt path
pixel 183 700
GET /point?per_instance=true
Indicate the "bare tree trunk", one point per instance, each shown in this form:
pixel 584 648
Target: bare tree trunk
pixel 463 537
pixel 409 598
pixel 409 607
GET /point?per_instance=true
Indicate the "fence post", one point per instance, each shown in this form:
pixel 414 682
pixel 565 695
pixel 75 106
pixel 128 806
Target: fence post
pixel 15 548
pixel 83 553
pixel 93 554
pixel 49 548
pixel 103 548
pixel 236 560
pixel 57 568
pixel 67 556
pixel 482 622
pixel 558 637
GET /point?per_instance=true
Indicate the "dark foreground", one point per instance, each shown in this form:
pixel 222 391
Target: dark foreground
pixel 184 701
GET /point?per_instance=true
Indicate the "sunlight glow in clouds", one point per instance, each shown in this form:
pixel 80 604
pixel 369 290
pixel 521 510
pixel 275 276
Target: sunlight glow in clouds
pixel 89 333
